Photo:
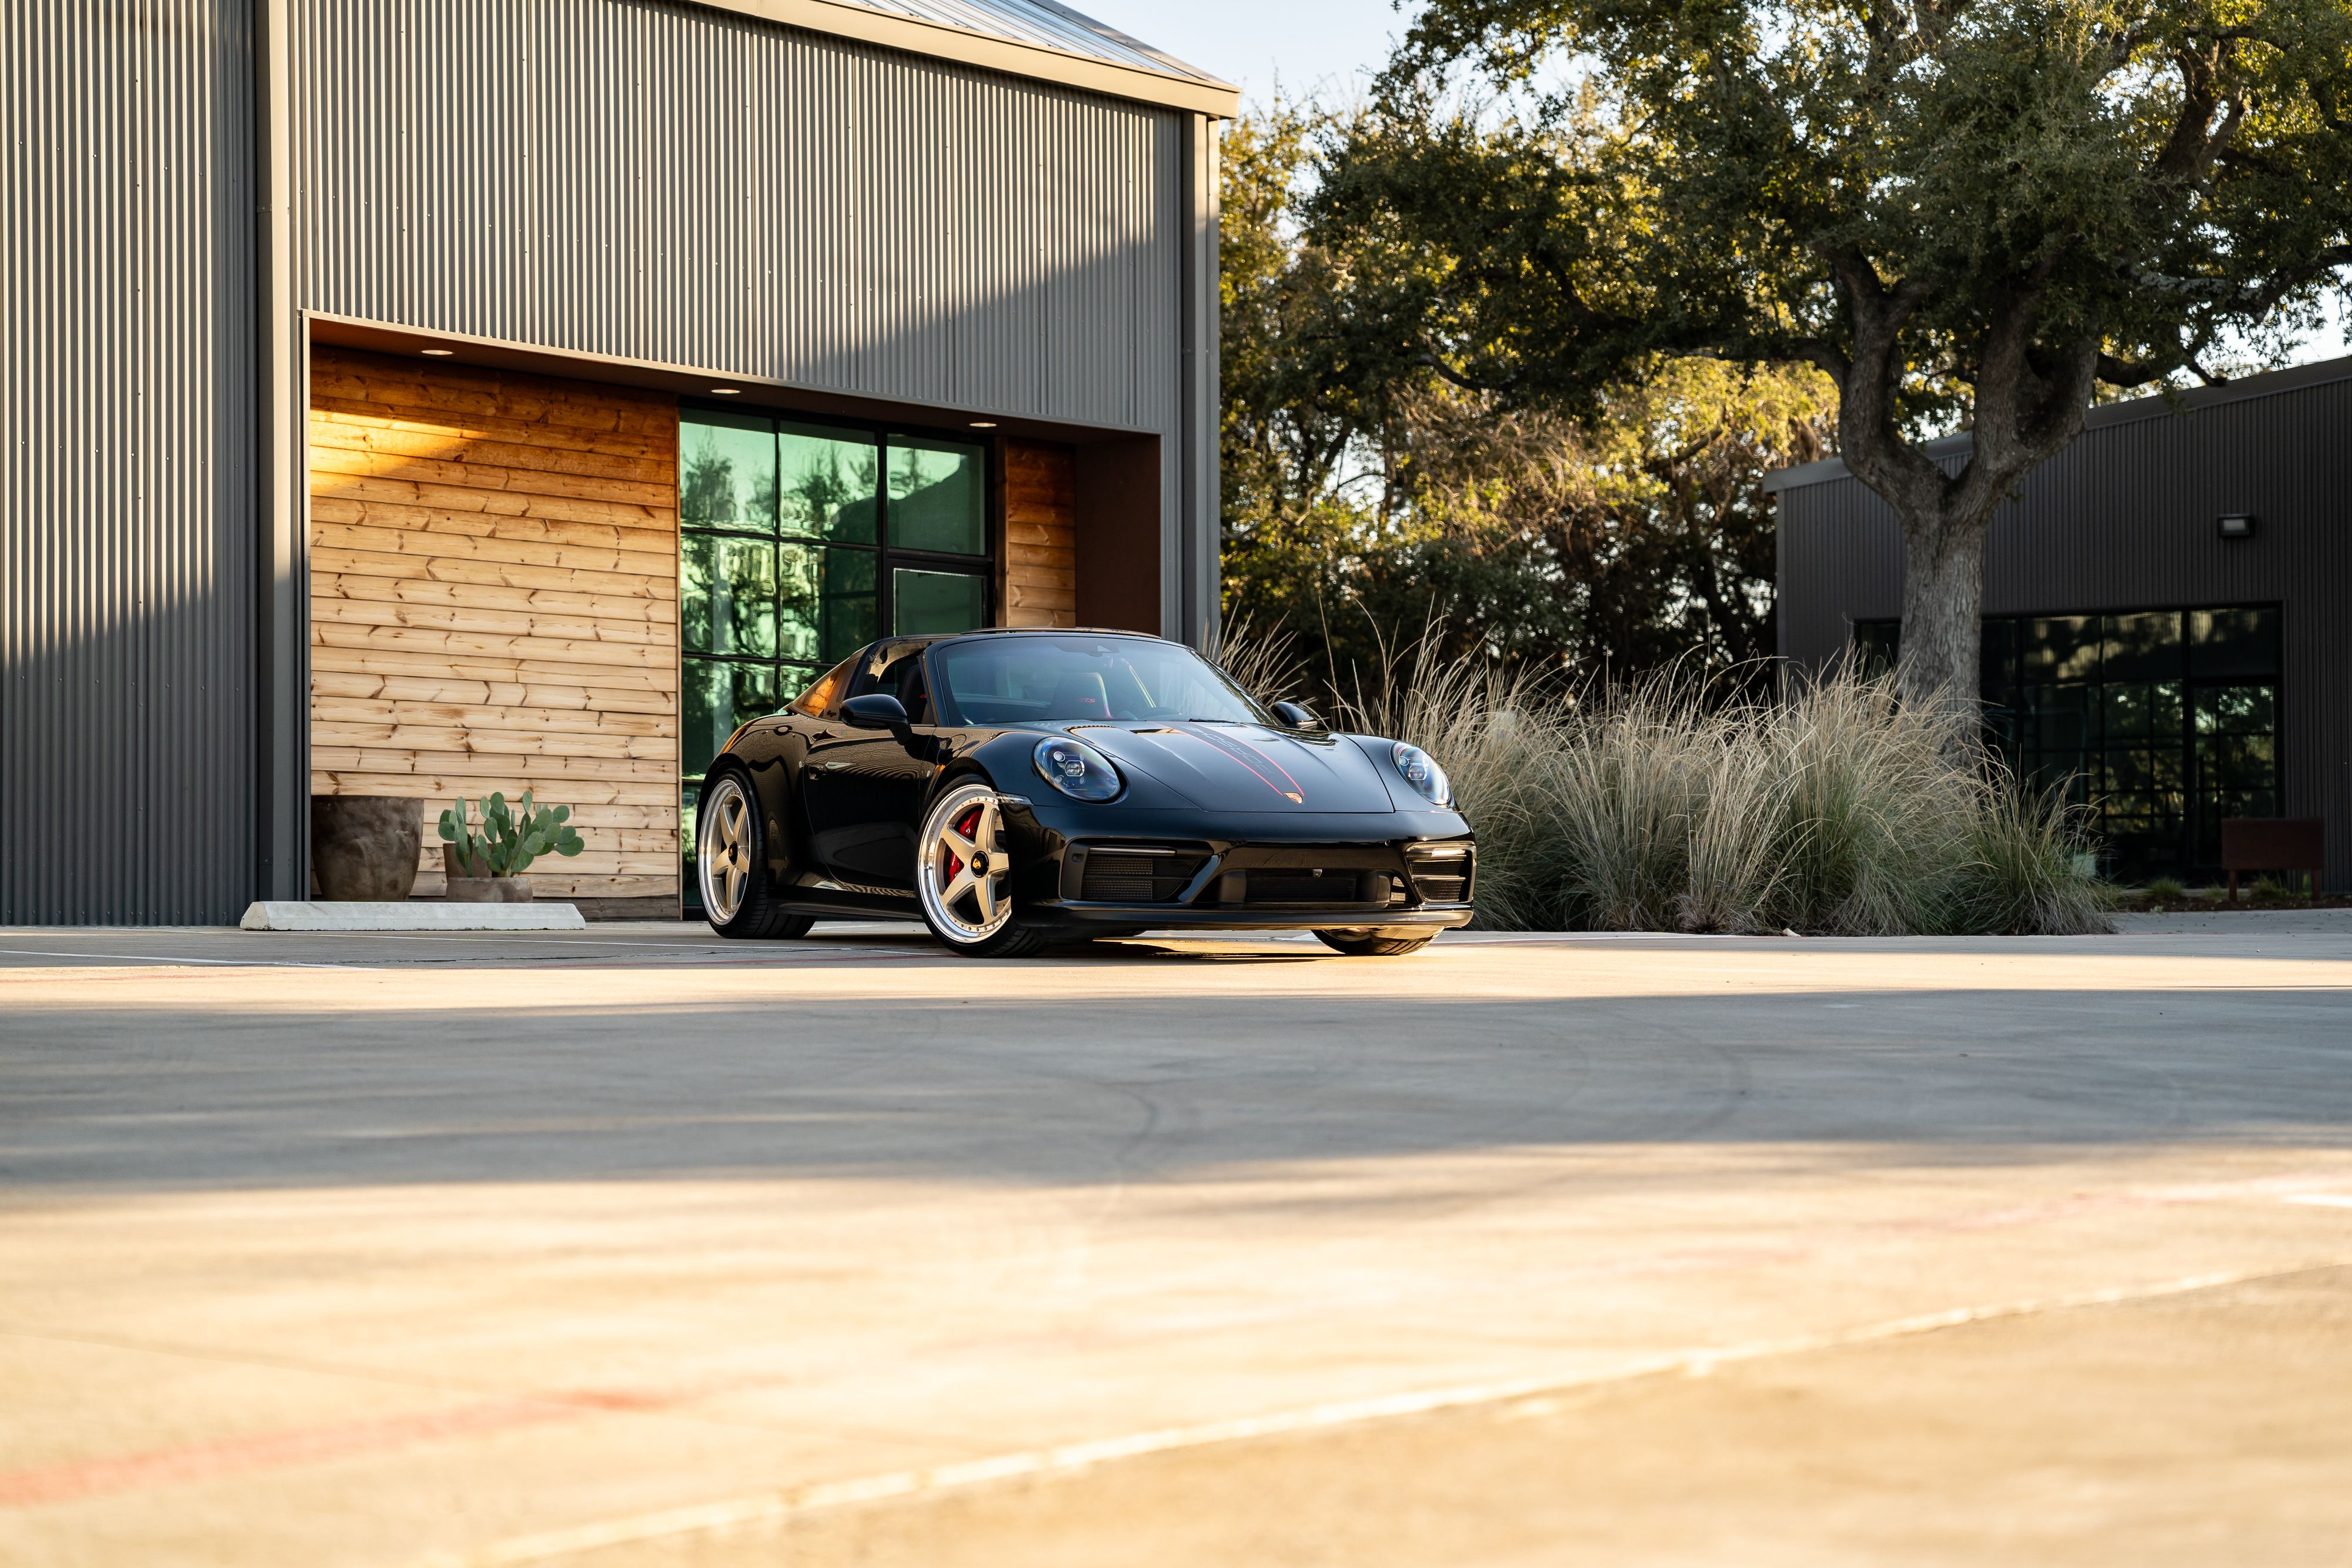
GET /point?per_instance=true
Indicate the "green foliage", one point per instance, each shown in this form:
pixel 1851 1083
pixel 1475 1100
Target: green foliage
pixel 1369 501
pixel 2166 890
pixel 1651 806
pixel 2269 889
pixel 511 838
pixel 2142 173
pixel 1969 214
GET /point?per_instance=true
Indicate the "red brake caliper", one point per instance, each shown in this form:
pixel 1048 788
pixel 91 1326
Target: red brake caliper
pixel 968 826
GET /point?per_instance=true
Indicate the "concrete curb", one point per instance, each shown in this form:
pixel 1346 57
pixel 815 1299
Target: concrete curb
pixel 276 915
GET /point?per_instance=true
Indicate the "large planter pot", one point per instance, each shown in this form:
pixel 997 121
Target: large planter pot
pixel 479 886
pixel 364 847
pixel 489 890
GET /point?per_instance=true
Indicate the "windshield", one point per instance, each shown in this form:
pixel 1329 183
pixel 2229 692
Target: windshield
pixel 1033 679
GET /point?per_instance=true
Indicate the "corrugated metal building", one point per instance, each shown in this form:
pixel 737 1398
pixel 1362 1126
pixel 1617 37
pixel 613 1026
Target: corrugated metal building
pixel 507 444
pixel 2179 667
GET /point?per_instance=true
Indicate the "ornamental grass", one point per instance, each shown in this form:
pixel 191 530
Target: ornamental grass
pixel 1833 808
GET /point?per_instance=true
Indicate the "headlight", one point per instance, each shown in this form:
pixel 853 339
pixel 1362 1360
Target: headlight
pixel 1421 770
pixel 1075 769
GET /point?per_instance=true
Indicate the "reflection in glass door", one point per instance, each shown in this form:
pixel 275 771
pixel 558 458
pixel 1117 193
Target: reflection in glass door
pixel 2162 723
pixel 801 541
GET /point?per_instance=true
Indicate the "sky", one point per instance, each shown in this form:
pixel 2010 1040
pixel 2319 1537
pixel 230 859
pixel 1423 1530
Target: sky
pixel 1308 44
pixel 1330 47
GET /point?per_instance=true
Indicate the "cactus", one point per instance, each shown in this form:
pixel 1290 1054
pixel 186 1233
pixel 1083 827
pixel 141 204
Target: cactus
pixel 511 836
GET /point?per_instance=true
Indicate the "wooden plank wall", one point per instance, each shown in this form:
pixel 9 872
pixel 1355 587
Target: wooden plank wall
pixel 494 603
pixel 1040 519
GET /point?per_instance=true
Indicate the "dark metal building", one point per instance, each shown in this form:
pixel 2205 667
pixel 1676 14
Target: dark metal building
pixel 356 352
pixel 2169 611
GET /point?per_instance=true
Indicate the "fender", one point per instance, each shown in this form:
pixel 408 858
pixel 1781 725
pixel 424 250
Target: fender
pixel 767 750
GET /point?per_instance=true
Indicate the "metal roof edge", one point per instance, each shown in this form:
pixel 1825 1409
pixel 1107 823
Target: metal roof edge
pixel 1199 93
pixel 2269 383
pixel 1176 67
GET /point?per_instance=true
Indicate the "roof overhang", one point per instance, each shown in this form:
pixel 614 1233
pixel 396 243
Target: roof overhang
pixel 2162 405
pixel 687 382
pixel 1200 94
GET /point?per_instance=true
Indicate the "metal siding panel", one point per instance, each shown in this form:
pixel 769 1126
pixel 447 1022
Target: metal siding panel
pixel 2123 519
pixel 1840 562
pixel 660 183
pixel 126 563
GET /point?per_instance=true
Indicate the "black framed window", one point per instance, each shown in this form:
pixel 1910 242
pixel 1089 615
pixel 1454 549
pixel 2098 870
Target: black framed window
pixel 2162 722
pixel 801 541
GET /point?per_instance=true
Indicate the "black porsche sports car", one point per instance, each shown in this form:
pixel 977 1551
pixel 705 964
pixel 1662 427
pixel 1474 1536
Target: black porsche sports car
pixel 1017 788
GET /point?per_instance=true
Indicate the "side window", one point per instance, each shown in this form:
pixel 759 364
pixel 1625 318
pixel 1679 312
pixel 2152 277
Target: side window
pixel 895 668
pixel 820 698
pixel 913 693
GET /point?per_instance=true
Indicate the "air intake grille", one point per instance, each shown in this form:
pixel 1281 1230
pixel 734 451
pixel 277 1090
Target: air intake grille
pixel 1114 876
pixel 1442 874
pixel 1287 886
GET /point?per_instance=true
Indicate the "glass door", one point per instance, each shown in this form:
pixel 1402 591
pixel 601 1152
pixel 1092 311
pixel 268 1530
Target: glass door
pixel 801 541
pixel 2160 723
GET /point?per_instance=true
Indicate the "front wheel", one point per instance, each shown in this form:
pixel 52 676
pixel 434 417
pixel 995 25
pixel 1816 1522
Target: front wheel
pixel 963 875
pixel 730 864
pixel 1362 944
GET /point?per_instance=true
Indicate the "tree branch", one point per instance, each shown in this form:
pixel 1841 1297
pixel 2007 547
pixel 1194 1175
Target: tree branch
pixel 1466 382
pixel 2125 373
pixel 1868 438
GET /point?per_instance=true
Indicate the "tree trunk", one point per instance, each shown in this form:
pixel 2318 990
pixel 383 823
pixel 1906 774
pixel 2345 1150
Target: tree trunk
pixel 2028 406
pixel 1943 607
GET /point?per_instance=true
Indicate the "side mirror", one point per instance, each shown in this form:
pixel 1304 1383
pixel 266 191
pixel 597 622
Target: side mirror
pixel 876 710
pixel 1297 715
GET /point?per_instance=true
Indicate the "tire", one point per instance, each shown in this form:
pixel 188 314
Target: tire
pixel 1361 944
pixel 730 863
pixel 963 876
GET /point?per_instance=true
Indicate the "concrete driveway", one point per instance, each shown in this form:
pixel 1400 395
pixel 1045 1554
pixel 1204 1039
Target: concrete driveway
pixel 626 1246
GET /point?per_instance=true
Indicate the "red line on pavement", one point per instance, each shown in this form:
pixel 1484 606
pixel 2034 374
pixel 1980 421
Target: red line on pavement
pixel 302 1446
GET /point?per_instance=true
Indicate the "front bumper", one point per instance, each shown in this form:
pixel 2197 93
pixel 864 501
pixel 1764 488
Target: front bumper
pixel 1161 916
pixel 1093 870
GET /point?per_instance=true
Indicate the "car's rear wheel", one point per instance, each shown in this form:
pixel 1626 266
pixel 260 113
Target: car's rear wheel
pixel 964 877
pixel 1362 944
pixel 730 863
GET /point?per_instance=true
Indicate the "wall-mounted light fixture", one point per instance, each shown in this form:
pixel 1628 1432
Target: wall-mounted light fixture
pixel 726 391
pixel 2237 525
pixel 984 425
pixel 437 353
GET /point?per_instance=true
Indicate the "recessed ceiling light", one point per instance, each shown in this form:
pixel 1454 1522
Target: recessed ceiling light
pixel 437 353
pixel 727 392
pixel 984 425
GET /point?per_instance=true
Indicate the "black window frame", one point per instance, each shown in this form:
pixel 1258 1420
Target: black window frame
pixel 887 557
pixel 2003 686
pixel 793 676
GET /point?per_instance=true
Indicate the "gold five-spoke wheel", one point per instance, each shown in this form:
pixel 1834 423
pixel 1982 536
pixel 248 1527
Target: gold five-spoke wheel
pixel 725 857
pixel 965 872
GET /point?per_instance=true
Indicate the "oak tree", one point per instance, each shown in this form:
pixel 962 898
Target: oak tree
pixel 1368 507
pixel 1971 214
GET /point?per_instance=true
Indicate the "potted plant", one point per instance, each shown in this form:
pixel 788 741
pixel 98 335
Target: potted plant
pixel 366 848
pixel 488 867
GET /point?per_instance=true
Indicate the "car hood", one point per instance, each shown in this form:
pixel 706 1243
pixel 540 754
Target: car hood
pixel 1245 768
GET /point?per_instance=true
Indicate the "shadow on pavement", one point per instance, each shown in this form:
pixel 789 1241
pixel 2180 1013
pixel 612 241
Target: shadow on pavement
pixel 976 1086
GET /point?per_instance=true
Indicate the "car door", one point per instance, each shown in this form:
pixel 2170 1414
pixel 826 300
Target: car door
pixel 777 763
pixel 864 789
